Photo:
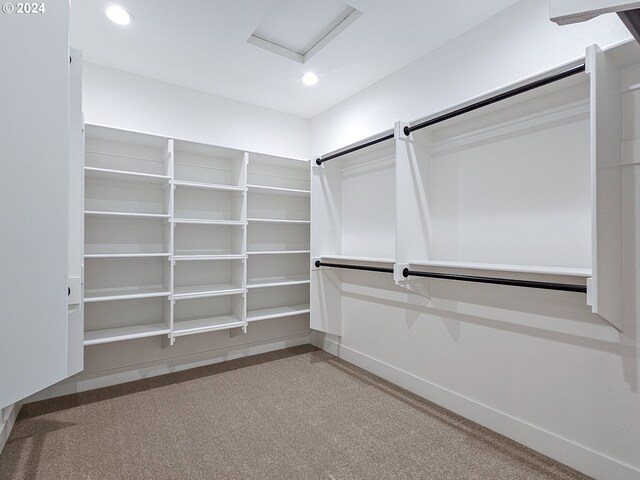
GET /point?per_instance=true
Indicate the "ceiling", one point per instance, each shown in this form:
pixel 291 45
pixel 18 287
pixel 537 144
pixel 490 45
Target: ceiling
pixel 202 44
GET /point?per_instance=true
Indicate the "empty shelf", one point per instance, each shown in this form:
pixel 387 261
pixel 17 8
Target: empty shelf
pixel 205 324
pixel 277 281
pixel 278 190
pixel 126 255
pixel 273 220
pixel 200 291
pixel 562 271
pixel 205 221
pixel 124 176
pixel 120 334
pixel 209 186
pixel 346 258
pixel 126 214
pixel 279 252
pixel 269 313
pixel 108 294
pixel 183 257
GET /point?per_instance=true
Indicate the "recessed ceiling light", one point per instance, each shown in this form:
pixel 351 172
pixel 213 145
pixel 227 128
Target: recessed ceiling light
pixel 310 78
pixel 119 15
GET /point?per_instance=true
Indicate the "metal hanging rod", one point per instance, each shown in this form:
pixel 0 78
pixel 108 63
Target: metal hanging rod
pixel 354 267
pixel 565 287
pixel 497 98
pixel 321 160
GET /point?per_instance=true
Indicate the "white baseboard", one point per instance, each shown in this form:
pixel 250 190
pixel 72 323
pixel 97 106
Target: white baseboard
pixel 8 417
pixel 581 458
pixel 83 382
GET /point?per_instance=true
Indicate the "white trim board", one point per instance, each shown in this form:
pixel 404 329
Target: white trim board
pixel 8 418
pixel 579 457
pixel 130 373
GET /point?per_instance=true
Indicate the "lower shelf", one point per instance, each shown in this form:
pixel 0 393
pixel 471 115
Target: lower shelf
pixel 108 294
pixel 201 291
pixel 110 335
pixel 279 312
pixel 191 326
pixel 278 281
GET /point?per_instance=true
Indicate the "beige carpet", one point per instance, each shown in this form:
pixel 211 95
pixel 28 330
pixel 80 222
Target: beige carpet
pixel 293 414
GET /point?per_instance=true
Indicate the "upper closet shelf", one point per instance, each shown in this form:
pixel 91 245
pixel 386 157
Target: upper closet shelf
pixel 279 252
pixel 347 258
pixel 209 186
pixel 278 281
pixel 278 190
pixel 124 176
pixel 203 256
pixel 203 291
pixel 561 271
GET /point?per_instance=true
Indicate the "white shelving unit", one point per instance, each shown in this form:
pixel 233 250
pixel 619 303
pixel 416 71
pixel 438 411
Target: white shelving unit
pixel 167 237
pixel 278 237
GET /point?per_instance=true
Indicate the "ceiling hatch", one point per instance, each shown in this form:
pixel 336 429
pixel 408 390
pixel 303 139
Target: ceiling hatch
pixel 298 29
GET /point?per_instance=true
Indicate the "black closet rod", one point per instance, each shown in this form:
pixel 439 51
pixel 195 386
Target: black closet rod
pixel 565 287
pixel 502 96
pixel 354 267
pixel 321 160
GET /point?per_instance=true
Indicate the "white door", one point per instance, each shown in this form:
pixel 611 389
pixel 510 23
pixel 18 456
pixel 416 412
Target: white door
pixel 34 223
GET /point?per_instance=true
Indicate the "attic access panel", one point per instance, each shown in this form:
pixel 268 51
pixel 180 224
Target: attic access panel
pixel 298 29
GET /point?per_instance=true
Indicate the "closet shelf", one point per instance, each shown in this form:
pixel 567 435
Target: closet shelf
pixel 195 256
pixel 110 335
pixel 126 255
pixel 274 220
pixel 195 325
pixel 202 291
pixel 209 186
pixel 95 213
pixel 278 190
pixel 560 271
pixel 279 252
pixel 347 258
pixel 277 281
pixel 279 312
pixel 204 221
pixel 108 294
pixel 124 176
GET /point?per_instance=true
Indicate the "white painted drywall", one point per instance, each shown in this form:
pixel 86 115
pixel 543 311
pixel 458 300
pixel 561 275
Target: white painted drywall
pixel 116 98
pixel 535 365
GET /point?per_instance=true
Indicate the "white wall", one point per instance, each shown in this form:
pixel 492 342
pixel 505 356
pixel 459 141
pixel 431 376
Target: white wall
pixel 515 44
pixel 534 365
pixel 116 98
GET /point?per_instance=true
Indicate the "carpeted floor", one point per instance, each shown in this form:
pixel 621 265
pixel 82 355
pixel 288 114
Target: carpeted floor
pixel 293 414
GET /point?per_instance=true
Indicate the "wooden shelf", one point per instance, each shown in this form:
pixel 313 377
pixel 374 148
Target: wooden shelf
pixel 202 291
pixel 208 257
pixel 278 190
pixel 109 294
pixel 280 252
pixel 204 221
pixel 277 281
pixel 195 325
pixel 269 313
pixel 126 255
pixel 124 176
pixel 95 213
pixel 110 335
pixel 274 220
pixel 208 186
